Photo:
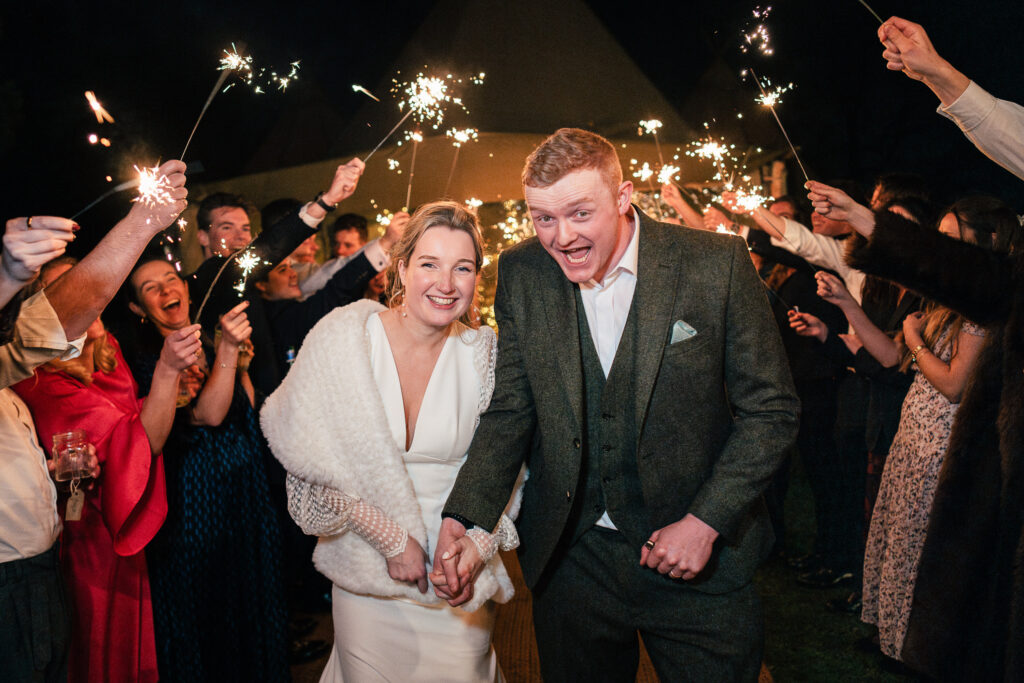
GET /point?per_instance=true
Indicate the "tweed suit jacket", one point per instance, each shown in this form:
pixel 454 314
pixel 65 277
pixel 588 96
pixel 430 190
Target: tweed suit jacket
pixel 715 413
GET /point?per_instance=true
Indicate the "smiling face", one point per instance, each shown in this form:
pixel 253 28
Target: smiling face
pixel 282 283
pixel 162 296
pixel 229 231
pixel 582 223
pixel 440 278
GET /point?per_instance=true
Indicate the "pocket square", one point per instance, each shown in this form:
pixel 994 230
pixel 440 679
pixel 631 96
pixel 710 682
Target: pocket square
pixel 682 331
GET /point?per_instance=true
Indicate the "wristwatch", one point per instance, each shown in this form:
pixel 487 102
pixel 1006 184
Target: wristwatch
pixel 319 201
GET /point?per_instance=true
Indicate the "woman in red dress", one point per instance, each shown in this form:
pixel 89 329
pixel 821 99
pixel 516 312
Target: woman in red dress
pixel 102 552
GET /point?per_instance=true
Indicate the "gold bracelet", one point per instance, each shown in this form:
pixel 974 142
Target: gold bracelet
pixel 917 350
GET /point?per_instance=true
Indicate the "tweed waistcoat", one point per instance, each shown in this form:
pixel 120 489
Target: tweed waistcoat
pixel 610 476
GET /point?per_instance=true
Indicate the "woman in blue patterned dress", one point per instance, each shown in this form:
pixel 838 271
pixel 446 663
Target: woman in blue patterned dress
pixel 218 598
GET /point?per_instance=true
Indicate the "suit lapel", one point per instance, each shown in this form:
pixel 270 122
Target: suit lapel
pixel 654 300
pixel 564 336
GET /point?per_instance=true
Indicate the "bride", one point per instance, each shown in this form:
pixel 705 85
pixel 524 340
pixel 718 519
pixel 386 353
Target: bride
pixel 372 423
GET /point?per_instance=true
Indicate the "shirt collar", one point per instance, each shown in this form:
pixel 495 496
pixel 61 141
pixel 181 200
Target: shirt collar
pixel 628 261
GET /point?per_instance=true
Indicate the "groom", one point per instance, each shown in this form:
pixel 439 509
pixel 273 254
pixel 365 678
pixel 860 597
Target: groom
pixel 641 377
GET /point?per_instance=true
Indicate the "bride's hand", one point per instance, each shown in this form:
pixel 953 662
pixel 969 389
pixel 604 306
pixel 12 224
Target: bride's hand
pixel 464 556
pixel 410 565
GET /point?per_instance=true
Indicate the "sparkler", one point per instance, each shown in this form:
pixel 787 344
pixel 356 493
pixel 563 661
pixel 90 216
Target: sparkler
pixel 458 138
pixel 768 102
pixel 359 88
pixel 416 138
pixel 246 262
pixel 667 173
pixel 229 63
pixel 645 173
pixel 773 95
pixel 102 115
pixel 154 190
pixel 873 12
pixel 425 99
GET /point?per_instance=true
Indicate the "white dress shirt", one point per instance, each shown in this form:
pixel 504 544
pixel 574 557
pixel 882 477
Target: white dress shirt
pixel 29 524
pixel 606 304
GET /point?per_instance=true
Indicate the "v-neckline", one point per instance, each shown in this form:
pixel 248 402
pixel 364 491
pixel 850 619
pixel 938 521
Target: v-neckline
pixel 426 390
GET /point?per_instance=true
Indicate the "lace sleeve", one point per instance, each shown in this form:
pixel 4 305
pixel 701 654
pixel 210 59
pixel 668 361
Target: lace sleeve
pixel 504 537
pixel 323 511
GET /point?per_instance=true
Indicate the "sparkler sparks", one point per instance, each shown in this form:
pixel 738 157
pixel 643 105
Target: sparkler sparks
pixel 758 38
pixel 649 127
pixel 473 203
pixel 770 96
pixel 359 88
pixel 459 137
pixel 393 165
pixel 667 174
pixel 246 262
pixel 102 115
pixel 154 190
pixel 242 66
pixel 644 173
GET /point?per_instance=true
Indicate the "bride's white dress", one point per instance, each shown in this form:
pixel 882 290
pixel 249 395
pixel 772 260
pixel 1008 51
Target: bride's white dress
pixel 395 639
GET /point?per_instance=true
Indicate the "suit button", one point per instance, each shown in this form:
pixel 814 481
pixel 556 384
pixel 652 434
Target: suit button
pixel 568 496
pixel 575 443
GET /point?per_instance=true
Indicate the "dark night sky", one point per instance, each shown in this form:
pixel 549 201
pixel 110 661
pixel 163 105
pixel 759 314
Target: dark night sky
pixel 152 64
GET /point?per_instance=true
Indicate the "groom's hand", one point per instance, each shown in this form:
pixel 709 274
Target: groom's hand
pixel 681 549
pixel 447 583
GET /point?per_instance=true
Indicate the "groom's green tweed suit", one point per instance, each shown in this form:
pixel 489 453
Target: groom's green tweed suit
pixel 712 415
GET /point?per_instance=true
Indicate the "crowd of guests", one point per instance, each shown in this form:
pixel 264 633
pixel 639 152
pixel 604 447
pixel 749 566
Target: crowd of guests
pixel 179 554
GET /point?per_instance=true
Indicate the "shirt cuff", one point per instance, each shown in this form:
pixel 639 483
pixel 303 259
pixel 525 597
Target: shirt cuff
pixel 307 219
pixel 971 108
pixel 376 255
pixel 38 327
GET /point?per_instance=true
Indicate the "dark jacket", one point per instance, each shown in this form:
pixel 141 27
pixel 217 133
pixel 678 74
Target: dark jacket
pixel 967 619
pixel 715 413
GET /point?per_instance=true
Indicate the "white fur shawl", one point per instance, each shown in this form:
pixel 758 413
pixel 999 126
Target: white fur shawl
pixel 326 424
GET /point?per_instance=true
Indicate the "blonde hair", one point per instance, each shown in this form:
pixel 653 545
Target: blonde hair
pixel 568 150
pixel 434 214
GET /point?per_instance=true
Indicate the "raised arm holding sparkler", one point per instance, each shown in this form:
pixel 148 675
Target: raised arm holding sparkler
pixel 30 242
pixel 835 204
pixel 80 295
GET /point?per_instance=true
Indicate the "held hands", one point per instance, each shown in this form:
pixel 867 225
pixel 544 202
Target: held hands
pixel 234 326
pixel 463 557
pixel 394 231
pixel 181 348
pixel 681 550
pixel 832 289
pixel 345 180
pixel 807 325
pixel 449 584
pixel 155 217
pixel 28 247
pixel 410 565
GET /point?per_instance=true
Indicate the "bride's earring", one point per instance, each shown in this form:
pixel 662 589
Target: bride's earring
pixel 405 313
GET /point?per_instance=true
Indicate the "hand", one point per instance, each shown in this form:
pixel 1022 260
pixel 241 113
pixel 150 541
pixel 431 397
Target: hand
pixel 832 289
pixel 853 342
pixel 156 217
pixel 913 328
pixel 181 348
pixel 672 196
pixel 681 549
pixel 234 325
pixel 830 201
pixel 465 557
pixel 410 565
pixel 714 217
pixel 345 180
pixel 92 463
pixel 394 231
pixel 27 249
pixel 908 49
pixel 193 378
pixel 446 565
pixel 807 325
pixel 730 201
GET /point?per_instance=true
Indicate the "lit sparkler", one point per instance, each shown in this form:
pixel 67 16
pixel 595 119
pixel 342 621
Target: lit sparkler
pixel 768 102
pixel 667 174
pixel 102 115
pixel 359 88
pixel 416 138
pixel 154 190
pixel 458 138
pixel 473 203
pixel 772 95
pixel 182 224
pixel 393 165
pixel 644 173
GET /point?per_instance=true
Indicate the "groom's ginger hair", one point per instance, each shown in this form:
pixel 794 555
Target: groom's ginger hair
pixel 568 150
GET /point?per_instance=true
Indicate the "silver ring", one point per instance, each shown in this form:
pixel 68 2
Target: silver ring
pixel 28 223
pixel 649 544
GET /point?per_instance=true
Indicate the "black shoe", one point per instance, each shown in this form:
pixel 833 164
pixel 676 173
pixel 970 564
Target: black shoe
pixel 303 651
pixel 301 627
pixel 805 562
pixel 823 577
pixel 851 604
